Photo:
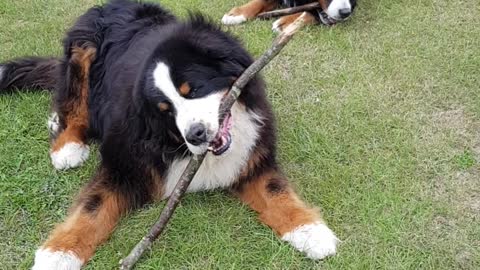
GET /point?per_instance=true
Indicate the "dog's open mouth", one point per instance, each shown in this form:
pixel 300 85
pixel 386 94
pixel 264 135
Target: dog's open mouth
pixel 326 20
pixel 223 140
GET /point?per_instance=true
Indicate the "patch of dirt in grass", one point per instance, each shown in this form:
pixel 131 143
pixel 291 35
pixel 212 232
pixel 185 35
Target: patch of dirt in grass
pixel 461 187
pixel 454 122
pixel 467 191
pixel 464 260
pixel 450 150
pixel 461 192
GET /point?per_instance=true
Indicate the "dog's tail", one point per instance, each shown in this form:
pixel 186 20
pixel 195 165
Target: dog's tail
pixel 32 73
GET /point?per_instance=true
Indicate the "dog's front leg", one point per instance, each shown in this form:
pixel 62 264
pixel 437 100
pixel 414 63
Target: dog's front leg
pixel 281 24
pixel 248 11
pixel 68 123
pixel 279 207
pixel 91 220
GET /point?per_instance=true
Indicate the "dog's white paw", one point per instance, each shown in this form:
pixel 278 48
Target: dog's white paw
pixel 71 155
pixel 277 26
pixel 231 19
pixel 315 239
pixel 57 260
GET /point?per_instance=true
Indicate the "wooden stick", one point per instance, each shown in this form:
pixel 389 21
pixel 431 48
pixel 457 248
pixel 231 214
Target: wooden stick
pixel 196 161
pixel 288 11
pixel 172 203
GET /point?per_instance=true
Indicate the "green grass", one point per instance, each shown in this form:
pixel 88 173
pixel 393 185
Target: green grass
pixel 379 122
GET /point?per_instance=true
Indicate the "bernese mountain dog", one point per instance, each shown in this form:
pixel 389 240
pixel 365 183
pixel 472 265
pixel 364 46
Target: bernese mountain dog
pixel 147 87
pixel 331 12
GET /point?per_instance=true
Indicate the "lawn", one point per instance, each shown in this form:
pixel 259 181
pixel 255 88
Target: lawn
pixel 379 125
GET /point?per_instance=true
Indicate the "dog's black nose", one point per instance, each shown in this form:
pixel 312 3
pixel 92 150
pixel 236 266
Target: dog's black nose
pixel 197 134
pixel 345 12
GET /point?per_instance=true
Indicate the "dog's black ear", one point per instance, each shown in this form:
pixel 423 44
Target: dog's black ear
pixel 221 45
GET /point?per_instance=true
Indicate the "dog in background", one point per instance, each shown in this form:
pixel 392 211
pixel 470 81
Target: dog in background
pixel 147 87
pixel 331 12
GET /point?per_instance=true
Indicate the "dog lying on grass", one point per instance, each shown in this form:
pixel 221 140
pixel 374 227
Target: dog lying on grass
pixel 147 87
pixel 331 12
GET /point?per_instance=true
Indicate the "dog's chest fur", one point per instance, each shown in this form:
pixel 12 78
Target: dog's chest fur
pixel 221 171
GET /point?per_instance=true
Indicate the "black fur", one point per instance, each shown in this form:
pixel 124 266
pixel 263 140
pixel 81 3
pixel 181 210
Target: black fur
pixel 277 185
pixel 135 135
pixel 93 202
pixel 33 73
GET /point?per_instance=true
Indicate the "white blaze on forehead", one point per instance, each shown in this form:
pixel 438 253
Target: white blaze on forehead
pixel 189 111
pixel 333 9
pixel 163 81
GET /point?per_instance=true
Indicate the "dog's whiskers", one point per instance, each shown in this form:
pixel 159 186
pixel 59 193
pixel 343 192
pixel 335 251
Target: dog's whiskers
pixel 178 148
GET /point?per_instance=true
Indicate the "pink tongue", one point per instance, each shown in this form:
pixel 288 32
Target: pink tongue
pixel 220 139
pixel 226 125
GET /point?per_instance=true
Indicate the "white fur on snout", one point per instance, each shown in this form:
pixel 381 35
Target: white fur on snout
pixel 223 170
pixel 202 110
pixel 232 19
pixel 46 259
pixel 333 10
pixel 316 240
pixel 71 155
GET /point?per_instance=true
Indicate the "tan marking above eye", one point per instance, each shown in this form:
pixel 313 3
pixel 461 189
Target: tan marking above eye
pixel 184 89
pixel 163 106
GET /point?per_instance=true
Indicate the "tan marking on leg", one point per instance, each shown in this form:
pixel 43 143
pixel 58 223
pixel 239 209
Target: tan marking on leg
pixel 83 230
pixel 282 23
pixel 277 204
pixel 72 134
pixel 253 8
pixel 76 120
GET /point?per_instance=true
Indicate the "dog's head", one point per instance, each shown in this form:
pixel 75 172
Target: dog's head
pixel 189 75
pixel 336 10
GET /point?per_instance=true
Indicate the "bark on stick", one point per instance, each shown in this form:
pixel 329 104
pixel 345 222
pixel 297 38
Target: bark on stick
pixel 288 11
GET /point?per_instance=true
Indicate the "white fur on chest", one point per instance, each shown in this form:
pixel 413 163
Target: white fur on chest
pixel 221 171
